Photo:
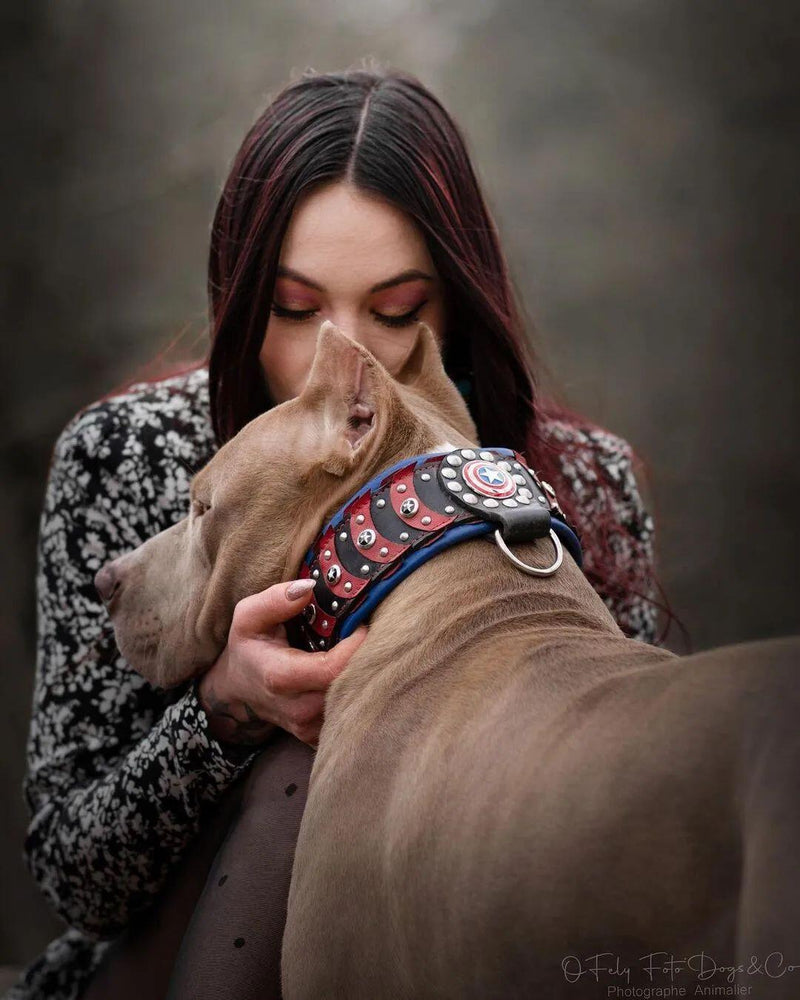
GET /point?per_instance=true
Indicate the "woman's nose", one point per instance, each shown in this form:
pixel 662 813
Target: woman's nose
pixel 107 581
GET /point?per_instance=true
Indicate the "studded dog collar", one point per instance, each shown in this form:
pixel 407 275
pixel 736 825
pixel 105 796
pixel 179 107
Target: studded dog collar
pixel 411 511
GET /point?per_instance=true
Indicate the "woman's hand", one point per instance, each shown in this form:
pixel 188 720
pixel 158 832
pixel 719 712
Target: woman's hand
pixel 259 681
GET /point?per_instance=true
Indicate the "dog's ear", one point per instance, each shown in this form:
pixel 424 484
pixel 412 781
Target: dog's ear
pixel 347 392
pixel 425 374
pixel 423 368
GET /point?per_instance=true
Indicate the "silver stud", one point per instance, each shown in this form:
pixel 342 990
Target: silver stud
pixel 487 456
pixel 360 519
pixel 520 480
pixel 334 574
pixel 366 538
pixel 525 500
pixel 489 502
pixel 467 453
pixel 324 623
pixel 453 460
pixel 409 507
pixel 335 605
pixel 449 473
pixel 525 492
pixel 505 465
pixel 449 510
pixel 531 472
pixel 365 568
pixel 343 535
pixel 517 465
pixel 380 502
pixel 321 643
pixel 510 502
pixel 403 536
pixel 402 488
pixel 541 499
pixel 384 551
pixel 470 498
pixel 326 554
pixel 455 487
pixel 315 574
pixel 426 520
pixel 549 488
pixel 425 477
pixel 348 586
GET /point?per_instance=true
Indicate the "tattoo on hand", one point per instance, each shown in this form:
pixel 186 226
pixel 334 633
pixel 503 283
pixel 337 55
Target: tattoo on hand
pixel 226 726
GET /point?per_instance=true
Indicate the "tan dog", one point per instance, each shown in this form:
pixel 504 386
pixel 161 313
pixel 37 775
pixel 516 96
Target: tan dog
pixel 504 786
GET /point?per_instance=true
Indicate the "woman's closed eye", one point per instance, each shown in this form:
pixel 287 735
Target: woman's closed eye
pixel 406 319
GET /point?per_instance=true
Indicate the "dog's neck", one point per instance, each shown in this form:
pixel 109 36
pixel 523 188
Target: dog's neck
pixel 471 607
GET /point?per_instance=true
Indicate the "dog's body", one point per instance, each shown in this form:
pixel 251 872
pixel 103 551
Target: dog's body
pixel 506 787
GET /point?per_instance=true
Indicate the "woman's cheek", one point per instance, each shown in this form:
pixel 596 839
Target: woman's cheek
pixel 286 358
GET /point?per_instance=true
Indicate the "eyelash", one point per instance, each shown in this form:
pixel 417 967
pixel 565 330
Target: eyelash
pixel 392 321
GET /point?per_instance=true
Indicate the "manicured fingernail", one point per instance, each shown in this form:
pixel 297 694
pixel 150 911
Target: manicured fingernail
pixel 299 588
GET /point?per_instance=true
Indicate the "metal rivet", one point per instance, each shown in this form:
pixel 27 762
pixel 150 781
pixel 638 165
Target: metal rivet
pixel 348 586
pixel 402 488
pixel 403 536
pixel 324 623
pixel 523 499
pixel 326 554
pixel 321 643
pixel 365 568
pixel 425 477
pixel 541 499
pixel 449 510
pixel 510 502
pixel 505 465
pixel 315 574
pixel 366 538
pixel 343 535
pixel 360 519
pixel 384 551
pixel 489 502
pixel 334 574
pixel 520 479
pixel 467 453
pixel 487 456
pixel 426 520
pixel 525 492
pixel 335 605
pixel 380 502
pixel 455 487
pixel 470 498
pixel 409 507
pixel 453 460
pixel 517 465
pixel 549 488
pixel 449 473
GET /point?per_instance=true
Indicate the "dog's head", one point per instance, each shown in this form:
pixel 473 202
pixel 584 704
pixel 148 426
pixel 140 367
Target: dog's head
pixel 259 503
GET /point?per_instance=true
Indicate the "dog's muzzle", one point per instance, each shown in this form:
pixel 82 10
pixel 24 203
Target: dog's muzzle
pixel 413 510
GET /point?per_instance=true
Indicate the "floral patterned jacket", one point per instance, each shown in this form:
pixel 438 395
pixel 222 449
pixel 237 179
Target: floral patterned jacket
pixel 120 774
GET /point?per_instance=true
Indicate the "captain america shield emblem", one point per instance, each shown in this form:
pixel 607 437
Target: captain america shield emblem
pixel 488 479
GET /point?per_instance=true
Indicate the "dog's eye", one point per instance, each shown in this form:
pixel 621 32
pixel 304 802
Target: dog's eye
pixel 199 508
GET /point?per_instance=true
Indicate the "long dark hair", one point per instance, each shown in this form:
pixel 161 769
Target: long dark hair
pixel 384 132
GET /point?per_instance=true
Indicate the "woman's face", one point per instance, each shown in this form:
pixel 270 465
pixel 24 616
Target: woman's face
pixel 358 261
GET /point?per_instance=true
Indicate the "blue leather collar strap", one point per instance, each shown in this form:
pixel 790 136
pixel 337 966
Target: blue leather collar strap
pixel 411 511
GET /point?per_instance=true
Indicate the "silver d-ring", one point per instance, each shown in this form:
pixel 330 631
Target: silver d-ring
pixel 533 570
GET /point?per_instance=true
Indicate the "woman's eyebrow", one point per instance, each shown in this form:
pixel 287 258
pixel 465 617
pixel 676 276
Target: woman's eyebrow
pixel 411 274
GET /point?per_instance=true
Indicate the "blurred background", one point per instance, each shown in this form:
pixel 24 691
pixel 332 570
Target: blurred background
pixel 641 160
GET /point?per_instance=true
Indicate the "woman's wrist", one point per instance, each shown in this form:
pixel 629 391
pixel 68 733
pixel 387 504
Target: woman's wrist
pixel 231 721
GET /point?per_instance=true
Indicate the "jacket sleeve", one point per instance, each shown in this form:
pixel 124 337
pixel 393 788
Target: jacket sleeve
pixel 631 539
pixel 118 773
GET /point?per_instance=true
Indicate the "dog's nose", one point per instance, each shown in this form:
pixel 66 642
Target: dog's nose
pixel 106 581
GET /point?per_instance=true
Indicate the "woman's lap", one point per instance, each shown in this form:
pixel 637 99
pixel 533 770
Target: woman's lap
pixel 215 931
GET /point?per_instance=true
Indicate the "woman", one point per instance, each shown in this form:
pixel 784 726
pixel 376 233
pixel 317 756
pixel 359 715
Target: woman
pixel 352 198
